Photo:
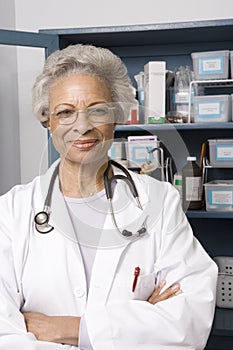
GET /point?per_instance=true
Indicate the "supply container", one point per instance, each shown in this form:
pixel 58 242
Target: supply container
pixel 211 65
pixel 211 108
pixel 155 92
pixel 116 150
pixel 138 150
pixel 191 185
pixel 177 183
pixel 231 106
pixel 224 297
pixel 219 195
pixel 221 153
pixel 231 63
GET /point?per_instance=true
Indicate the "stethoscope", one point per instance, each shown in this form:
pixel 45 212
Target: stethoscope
pixel 42 218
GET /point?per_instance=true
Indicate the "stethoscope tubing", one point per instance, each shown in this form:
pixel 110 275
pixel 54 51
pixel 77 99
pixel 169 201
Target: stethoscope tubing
pixel 42 218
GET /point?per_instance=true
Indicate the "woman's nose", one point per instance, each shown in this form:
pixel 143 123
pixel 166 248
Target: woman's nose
pixel 82 124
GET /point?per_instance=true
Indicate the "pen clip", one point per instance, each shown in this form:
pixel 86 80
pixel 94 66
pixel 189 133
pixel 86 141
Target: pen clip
pixel 136 274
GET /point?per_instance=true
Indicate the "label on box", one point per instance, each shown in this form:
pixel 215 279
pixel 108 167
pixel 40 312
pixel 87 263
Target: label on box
pixel 224 152
pixel 209 110
pixel 211 65
pixel 220 197
pixel 140 154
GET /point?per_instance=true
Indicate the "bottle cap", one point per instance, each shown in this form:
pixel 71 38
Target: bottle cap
pixel 191 158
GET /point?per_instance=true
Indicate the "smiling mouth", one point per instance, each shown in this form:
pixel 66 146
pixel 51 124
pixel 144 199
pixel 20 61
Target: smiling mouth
pixel 84 144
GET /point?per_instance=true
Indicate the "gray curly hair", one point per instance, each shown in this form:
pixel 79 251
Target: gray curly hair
pixel 86 59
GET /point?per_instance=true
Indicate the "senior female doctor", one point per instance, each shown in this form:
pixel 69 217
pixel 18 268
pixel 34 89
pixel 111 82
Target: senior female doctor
pixel 76 273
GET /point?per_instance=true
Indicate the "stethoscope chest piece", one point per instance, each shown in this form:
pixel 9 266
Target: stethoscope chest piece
pixel 41 222
pixel 41 218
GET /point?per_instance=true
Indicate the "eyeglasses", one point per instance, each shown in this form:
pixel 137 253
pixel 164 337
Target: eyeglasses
pixel 100 113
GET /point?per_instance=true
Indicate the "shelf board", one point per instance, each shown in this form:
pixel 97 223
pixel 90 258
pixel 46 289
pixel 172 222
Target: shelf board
pixel 202 214
pixel 169 126
pixel 148 34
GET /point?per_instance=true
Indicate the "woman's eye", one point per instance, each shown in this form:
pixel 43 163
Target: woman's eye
pixel 98 111
pixel 65 113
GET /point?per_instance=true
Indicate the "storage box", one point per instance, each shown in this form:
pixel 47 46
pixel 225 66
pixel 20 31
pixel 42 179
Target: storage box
pixel 211 65
pixel 211 108
pixel 231 63
pixel 116 150
pixel 224 296
pixel 155 89
pixel 221 153
pixel 137 149
pixel 219 195
pixel 231 107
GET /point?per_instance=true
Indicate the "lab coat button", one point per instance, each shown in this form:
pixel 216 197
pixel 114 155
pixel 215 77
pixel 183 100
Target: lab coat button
pixel 79 293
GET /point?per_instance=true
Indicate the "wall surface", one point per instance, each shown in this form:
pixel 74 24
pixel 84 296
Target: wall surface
pixel 9 114
pixel 83 13
pixel 29 139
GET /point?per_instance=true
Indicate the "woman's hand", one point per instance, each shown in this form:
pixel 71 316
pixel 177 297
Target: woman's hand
pixel 56 329
pixel 170 292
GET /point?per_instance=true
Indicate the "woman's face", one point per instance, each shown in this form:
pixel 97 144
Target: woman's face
pixel 82 141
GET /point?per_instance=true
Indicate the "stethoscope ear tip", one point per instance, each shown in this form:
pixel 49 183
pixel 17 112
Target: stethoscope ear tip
pixel 139 233
pixel 126 233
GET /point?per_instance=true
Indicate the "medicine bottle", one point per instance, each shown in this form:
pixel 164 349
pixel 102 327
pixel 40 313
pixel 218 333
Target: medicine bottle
pixel 191 185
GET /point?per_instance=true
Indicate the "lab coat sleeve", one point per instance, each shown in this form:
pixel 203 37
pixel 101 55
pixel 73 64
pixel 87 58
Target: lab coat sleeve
pixel 13 332
pixel 181 322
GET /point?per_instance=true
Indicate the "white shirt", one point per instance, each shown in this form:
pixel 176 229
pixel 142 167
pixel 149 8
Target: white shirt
pixel 88 216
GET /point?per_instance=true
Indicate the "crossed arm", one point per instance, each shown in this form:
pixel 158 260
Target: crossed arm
pixel 65 329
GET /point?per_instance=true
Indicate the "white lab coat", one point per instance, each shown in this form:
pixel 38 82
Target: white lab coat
pixel 45 273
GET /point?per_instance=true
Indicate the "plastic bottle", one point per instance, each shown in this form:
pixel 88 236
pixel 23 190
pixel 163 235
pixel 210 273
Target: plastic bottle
pixel 191 185
pixel 177 183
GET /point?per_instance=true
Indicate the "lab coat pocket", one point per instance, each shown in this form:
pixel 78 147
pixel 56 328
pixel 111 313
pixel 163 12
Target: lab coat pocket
pixel 144 287
pixel 122 287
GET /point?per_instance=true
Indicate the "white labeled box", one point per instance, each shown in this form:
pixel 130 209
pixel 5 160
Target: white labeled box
pixel 211 64
pixel 219 195
pixel 116 150
pixel 138 150
pixel 155 90
pixel 211 108
pixel 231 63
pixel 221 153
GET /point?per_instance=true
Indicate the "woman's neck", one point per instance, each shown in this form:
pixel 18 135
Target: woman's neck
pixel 81 180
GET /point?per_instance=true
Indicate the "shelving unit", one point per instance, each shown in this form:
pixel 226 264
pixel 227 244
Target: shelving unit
pixel 174 43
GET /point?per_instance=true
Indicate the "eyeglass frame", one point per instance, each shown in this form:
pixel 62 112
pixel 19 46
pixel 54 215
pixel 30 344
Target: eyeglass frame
pixel 76 112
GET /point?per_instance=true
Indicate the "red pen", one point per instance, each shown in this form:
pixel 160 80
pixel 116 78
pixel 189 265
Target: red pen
pixel 136 274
